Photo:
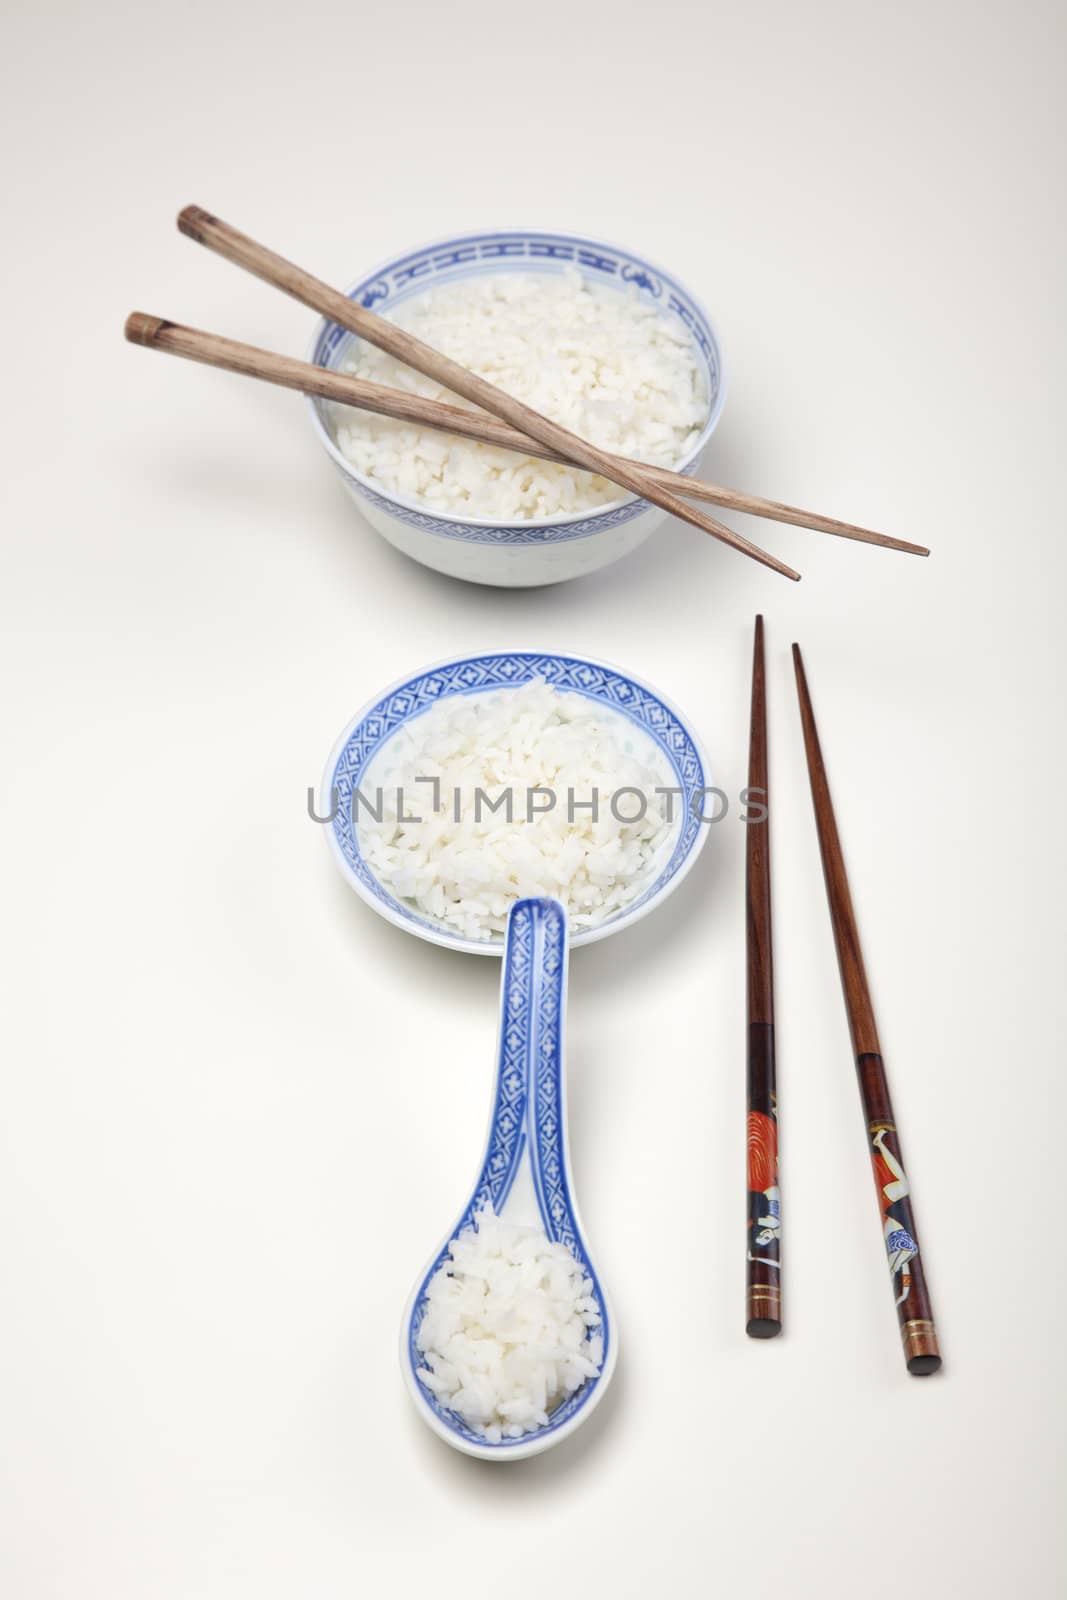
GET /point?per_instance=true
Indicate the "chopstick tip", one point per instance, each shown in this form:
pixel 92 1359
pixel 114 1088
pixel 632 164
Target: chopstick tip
pixel 799 674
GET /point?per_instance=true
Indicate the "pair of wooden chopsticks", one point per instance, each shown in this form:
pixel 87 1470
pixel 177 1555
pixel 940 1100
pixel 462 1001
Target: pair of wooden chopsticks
pixel 763 1265
pixel 510 424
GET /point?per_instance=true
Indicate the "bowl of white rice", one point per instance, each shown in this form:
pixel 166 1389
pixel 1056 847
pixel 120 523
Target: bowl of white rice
pixel 487 779
pixel 595 337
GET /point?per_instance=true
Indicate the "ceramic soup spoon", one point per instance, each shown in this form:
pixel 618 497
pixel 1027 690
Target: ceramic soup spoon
pixel 525 1175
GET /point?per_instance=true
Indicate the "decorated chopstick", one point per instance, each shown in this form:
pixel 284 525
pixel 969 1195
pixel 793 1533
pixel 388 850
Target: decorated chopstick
pixel 212 350
pixel 763 1290
pixel 907 1275
pixel 237 247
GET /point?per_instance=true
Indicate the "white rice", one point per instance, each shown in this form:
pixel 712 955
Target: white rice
pixel 610 366
pixel 509 1328
pixel 462 864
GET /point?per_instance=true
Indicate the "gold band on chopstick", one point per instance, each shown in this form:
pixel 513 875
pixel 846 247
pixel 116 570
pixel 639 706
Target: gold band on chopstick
pixel 919 1337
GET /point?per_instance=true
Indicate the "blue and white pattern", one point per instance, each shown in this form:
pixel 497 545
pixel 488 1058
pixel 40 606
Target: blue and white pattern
pixel 521 533
pixel 479 254
pixel 475 675
pixel 900 1239
pixel 528 1117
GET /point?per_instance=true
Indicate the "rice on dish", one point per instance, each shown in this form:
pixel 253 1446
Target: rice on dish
pixel 592 818
pixel 609 365
pixel 509 1329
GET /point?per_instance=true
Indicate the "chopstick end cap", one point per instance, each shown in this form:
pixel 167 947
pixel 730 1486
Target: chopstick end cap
pixel 192 221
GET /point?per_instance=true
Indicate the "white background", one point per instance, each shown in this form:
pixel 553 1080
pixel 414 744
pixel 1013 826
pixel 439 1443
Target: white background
pixel 238 1108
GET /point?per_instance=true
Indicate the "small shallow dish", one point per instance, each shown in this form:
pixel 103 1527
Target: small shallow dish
pixel 486 550
pixel 526 1173
pixel 410 697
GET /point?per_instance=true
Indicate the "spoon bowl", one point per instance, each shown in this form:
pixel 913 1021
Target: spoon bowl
pixel 525 1174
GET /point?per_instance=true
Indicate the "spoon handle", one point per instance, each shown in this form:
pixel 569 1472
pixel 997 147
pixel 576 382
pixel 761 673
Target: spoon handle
pixel 545 1109
pixel 528 1111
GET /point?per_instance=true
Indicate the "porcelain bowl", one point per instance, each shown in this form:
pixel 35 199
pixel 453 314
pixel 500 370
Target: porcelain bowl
pixel 413 695
pixel 549 550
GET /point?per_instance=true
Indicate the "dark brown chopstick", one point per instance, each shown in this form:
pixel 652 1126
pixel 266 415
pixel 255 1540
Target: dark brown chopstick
pixel 244 252
pixel 914 1312
pixel 212 350
pixel 763 1291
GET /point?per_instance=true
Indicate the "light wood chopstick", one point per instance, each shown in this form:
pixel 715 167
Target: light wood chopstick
pixel 237 247
pixel 212 350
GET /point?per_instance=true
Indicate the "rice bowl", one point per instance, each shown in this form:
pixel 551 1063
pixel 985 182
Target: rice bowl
pixel 534 550
pixel 653 721
pixel 612 367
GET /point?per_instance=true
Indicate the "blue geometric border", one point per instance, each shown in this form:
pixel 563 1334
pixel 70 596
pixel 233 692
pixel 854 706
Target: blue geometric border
pixel 521 533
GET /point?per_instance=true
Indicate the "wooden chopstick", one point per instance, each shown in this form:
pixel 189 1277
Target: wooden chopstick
pixel 763 1290
pixel 914 1312
pixel 211 349
pixel 244 252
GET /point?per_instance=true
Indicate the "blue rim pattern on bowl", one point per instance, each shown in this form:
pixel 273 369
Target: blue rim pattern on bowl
pixel 507 1142
pixel 365 736
pixel 479 254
